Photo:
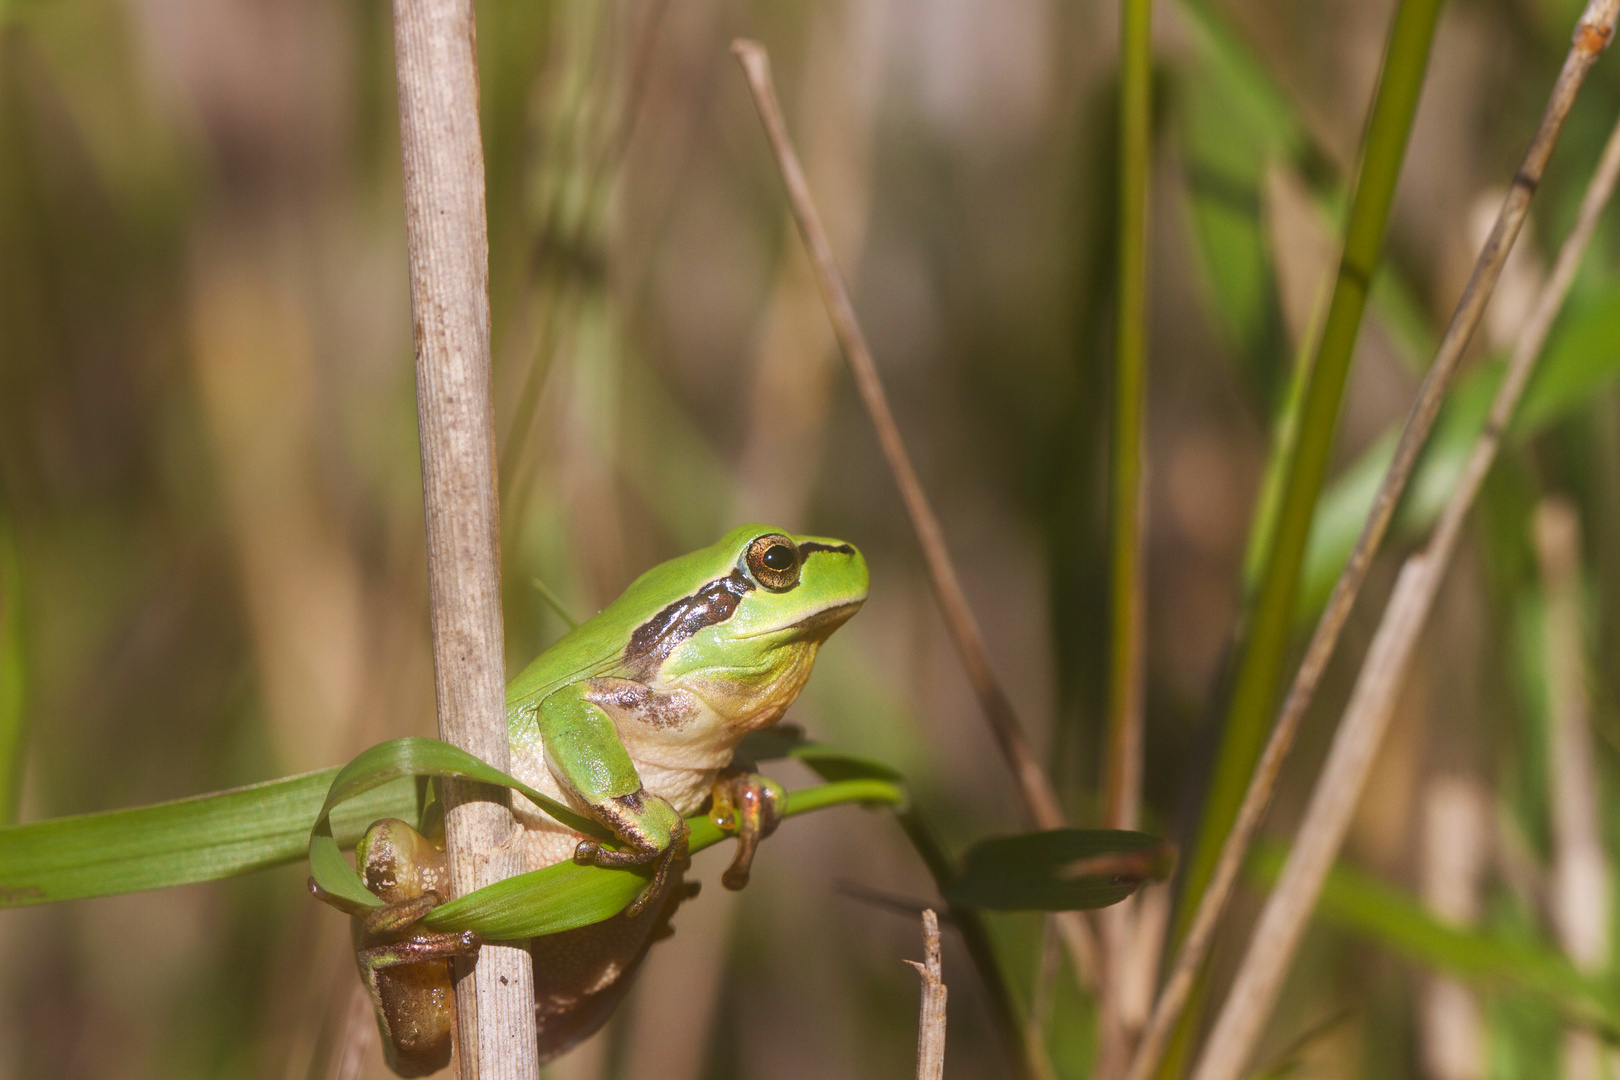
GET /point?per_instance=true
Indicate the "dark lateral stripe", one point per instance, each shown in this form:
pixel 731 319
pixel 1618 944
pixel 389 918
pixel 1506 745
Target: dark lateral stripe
pixel 811 547
pixel 714 603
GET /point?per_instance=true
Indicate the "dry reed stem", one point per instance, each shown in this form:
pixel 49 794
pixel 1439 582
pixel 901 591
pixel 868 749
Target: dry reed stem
pixel 1580 880
pixel 1040 802
pixel 1455 857
pixel 931 1021
pixel 1592 34
pixel 1580 874
pixel 448 246
pixel 1372 702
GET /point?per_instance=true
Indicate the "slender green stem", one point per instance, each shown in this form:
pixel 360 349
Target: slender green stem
pixel 554 602
pixel 1269 620
pixel 1266 645
pixel 1124 764
pixel 13 675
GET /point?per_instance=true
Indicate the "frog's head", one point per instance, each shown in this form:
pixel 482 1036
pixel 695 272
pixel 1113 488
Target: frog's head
pixel 789 588
pixel 757 606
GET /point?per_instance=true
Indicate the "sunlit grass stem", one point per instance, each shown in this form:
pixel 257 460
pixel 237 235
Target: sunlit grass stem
pixel 1123 781
pixel 1265 645
pixel 1122 771
pixel 1407 609
pixel 1268 621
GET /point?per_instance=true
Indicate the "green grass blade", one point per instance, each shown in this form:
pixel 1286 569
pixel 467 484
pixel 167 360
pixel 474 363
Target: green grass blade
pixel 1268 631
pixel 567 896
pixel 1358 902
pixel 176 843
pixel 1122 768
pixel 391 762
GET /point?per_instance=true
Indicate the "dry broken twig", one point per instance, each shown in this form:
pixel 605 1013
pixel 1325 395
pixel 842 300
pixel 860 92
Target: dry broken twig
pixel 1592 34
pixel 931 1021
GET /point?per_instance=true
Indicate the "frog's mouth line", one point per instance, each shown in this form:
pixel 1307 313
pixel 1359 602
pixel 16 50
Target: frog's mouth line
pixel 828 618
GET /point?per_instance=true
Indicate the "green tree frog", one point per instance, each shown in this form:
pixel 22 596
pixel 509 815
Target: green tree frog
pixel 631 718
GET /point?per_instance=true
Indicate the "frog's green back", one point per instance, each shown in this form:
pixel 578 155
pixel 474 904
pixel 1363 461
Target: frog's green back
pixel 596 646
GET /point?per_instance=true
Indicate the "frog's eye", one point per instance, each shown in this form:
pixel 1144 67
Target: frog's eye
pixel 773 559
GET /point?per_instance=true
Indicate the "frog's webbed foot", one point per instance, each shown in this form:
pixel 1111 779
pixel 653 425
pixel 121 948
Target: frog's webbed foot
pixel 652 832
pixel 751 805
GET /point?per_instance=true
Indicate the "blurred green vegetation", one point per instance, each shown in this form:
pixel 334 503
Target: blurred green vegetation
pixel 211 569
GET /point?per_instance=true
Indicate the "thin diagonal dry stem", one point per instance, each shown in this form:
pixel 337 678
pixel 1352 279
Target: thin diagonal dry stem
pixel 1040 802
pixel 1592 34
pixel 1372 702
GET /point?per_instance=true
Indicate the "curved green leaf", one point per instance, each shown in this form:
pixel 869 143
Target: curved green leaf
pixel 1059 870
pixel 201 838
pixel 398 759
pixel 568 895
pixel 254 828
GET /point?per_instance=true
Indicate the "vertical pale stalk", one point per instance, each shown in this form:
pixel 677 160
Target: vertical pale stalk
pixel 448 245
pixel 1580 877
pixel 1372 701
pixel 1455 858
pixel 1122 777
pixel 931 1017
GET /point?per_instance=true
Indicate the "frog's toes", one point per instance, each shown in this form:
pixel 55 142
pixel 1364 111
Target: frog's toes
pixel 394 918
pixel 751 805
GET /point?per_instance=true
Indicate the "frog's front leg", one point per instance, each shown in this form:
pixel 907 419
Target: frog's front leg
pixel 584 753
pixel 751 805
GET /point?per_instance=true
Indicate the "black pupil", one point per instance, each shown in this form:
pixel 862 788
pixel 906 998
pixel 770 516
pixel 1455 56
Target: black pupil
pixel 778 557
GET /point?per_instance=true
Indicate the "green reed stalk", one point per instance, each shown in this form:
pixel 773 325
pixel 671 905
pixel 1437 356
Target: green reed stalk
pixel 13 675
pixel 1269 621
pixel 1124 762
pixel 1265 648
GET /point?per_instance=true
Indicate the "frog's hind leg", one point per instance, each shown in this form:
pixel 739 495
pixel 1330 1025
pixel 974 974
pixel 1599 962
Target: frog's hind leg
pixel 412 992
pixel 405 968
pixel 751 805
